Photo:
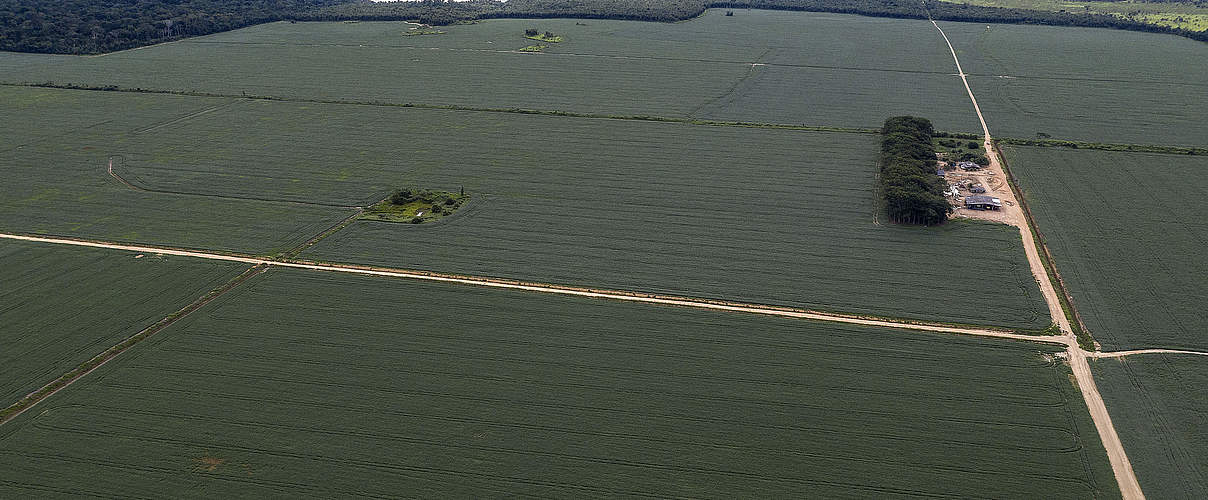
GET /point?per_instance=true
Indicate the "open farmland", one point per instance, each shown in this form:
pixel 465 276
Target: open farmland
pixel 60 306
pixel 771 216
pixel 1159 406
pixel 1100 86
pixel 377 387
pixel 55 178
pixel 1126 240
pixel 603 67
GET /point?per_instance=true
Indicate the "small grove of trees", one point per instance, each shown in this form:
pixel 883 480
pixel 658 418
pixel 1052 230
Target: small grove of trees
pixel 913 193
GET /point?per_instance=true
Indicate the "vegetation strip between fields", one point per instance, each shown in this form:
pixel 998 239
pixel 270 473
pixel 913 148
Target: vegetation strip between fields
pixel 33 398
pixel 1050 142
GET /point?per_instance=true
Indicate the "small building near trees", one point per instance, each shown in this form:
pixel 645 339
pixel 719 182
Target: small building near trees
pixel 982 202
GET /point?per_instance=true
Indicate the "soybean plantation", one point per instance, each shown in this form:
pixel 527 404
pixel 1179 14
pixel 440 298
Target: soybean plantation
pixel 852 72
pixel 56 179
pixel 356 386
pixel 1100 86
pixel 63 305
pixel 1128 239
pixel 779 217
pixel 1158 405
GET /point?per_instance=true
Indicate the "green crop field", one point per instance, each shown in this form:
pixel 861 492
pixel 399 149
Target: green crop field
pixel 1126 239
pixel 771 216
pixel 1158 406
pixel 56 182
pixel 852 72
pixel 324 385
pixel 1086 84
pixel 60 306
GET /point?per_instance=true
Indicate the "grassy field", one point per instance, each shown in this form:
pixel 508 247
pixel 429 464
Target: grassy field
pixel 368 390
pixel 1185 15
pixel 701 68
pixel 55 178
pixel 1127 238
pixel 1101 85
pixel 62 305
pixel 1158 406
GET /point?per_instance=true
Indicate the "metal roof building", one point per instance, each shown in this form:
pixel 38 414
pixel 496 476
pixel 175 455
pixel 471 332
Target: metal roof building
pixel 982 202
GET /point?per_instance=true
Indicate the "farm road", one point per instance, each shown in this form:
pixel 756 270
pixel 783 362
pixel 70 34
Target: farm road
pixel 1122 468
pixel 584 292
pixel 555 289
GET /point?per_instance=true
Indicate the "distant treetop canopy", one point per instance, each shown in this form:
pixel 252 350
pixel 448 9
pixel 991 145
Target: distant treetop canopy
pixel 88 26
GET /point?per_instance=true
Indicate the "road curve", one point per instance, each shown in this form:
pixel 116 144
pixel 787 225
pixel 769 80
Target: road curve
pixel 1130 489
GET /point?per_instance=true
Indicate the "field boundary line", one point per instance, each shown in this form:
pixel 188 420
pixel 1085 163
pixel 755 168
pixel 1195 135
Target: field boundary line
pixel 1126 478
pixel 65 380
pixel 629 296
pixel 1052 142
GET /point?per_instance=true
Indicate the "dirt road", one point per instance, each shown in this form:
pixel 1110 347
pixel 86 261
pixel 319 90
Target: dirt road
pixel 555 289
pixel 1121 467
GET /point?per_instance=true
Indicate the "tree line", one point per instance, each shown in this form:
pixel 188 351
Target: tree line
pixel 913 193
pixel 88 26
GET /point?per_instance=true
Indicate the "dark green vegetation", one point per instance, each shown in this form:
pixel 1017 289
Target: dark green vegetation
pixel 88 26
pixel 1127 233
pixel 533 34
pixel 82 26
pixel 416 206
pixel 957 150
pixel 913 193
pixel 58 144
pixel 1158 405
pixel 62 305
pixel 496 393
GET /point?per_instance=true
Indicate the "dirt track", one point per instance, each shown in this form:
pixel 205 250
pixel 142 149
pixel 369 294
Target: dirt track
pixel 1121 467
pixel 547 288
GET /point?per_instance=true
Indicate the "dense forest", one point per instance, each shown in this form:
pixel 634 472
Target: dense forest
pixel 91 26
pixel 88 26
pixel 913 193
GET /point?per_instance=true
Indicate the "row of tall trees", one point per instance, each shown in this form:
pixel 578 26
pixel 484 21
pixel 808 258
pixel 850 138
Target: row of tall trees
pixel 913 193
pixel 90 26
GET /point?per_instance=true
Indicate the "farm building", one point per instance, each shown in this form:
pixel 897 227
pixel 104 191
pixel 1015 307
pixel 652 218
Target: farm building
pixel 982 202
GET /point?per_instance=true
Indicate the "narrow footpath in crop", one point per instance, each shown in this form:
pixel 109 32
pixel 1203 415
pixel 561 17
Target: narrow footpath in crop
pixel 1122 468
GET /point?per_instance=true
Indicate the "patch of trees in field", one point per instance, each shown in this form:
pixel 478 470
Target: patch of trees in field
pixel 87 26
pixel 913 193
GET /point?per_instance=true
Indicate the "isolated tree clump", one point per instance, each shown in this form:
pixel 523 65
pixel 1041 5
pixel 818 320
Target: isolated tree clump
pixel 913 193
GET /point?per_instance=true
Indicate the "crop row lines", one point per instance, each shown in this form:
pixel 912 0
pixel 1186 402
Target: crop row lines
pixel 1050 142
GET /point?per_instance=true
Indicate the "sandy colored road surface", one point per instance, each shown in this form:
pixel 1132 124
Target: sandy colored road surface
pixel 1120 354
pixel 1122 468
pixel 546 288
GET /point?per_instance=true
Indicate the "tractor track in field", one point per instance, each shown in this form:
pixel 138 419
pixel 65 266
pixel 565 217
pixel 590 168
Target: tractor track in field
pixel 1126 478
pixel 62 382
pixel 136 187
